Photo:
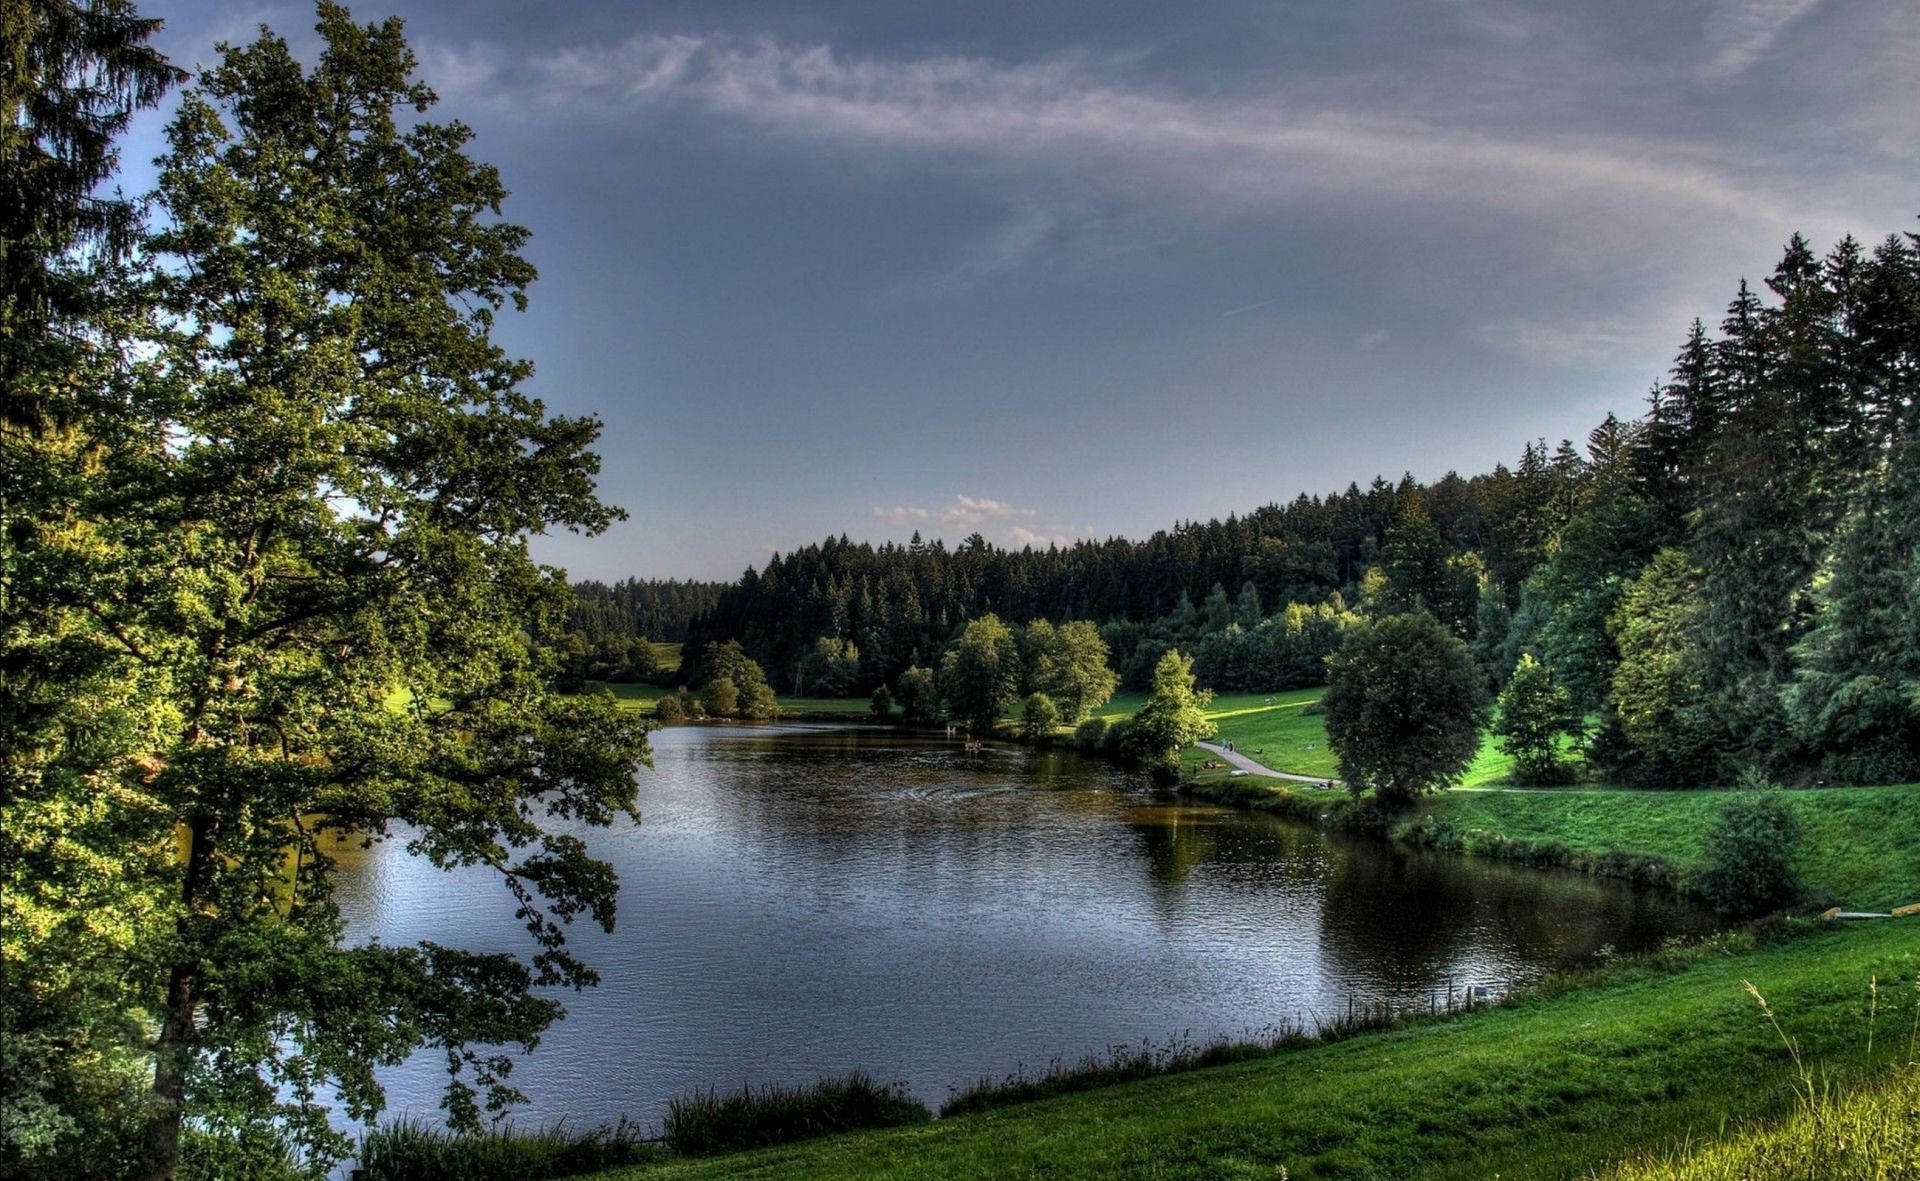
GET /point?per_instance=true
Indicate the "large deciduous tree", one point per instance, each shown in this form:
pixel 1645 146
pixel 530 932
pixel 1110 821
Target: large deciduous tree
pixel 1405 706
pixel 306 552
pixel 1069 664
pixel 980 674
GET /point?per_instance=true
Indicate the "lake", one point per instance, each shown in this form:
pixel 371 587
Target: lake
pixel 803 900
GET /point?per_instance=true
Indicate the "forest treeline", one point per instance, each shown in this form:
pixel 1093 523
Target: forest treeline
pixel 653 608
pixel 1727 581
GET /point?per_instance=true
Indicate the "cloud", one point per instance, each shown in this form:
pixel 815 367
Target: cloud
pixel 1008 524
pixel 1066 118
pixel 964 511
pixel 1740 32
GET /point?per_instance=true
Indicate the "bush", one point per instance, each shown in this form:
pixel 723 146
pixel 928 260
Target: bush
pixel 1091 735
pixel 882 704
pixel 703 1122
pixel 1749 856
pixel 669 709
pixel 408 1149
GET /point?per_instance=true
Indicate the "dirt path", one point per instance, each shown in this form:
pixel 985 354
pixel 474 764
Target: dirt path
pixel 1246 764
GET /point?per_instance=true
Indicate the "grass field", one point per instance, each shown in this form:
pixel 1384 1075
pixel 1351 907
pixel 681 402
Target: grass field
pixel 1861 844
pixel 1552 1086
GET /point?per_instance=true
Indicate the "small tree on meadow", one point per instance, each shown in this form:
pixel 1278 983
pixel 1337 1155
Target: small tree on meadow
pixel 1405 705
pixel 1535 715
pixel 1173 717
pixel 882 704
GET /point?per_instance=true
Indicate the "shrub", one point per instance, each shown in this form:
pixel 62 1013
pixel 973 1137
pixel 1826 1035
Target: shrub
pixel 1749 856
pixel 703 1123
pixel 408 1149
pixel 669 708
pixel 1091 735
pixel 882 704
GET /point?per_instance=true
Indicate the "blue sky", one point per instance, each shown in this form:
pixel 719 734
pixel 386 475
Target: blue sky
pixel 1049 271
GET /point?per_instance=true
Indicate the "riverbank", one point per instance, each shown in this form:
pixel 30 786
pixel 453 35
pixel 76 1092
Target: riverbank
pixel 1860 845
pixel 1545 1086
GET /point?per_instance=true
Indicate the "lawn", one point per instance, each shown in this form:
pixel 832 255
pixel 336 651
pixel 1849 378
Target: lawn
pixel 1553 1086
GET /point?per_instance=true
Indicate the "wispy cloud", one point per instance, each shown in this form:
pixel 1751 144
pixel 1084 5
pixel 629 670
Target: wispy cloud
pixel 1069 117
pixel 1740 32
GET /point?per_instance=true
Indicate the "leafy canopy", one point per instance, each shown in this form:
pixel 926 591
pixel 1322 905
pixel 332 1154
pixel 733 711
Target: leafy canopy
pixel 1405 705
pixel 302 575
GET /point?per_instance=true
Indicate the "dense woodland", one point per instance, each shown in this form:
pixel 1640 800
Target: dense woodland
pixel 1729 580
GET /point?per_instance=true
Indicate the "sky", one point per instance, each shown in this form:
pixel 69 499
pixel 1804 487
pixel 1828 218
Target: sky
pixel 1066 270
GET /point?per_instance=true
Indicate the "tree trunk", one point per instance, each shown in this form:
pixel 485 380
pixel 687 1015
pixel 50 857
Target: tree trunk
pixel 173 1048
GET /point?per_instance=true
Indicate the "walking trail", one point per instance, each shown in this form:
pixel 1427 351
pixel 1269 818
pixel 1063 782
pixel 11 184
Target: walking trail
pixel 1235 758
pixel 1246 764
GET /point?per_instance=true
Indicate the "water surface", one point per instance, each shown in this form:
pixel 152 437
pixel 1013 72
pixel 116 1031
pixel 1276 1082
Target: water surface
pixel 801 900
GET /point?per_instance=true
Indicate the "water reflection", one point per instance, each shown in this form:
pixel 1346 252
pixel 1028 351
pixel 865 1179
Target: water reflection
pixel 807 900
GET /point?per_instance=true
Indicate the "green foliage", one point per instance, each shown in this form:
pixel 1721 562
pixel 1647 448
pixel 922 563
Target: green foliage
pixel 1172 717
pixel 919 696
pixel 829 669
pixel 719 697
pixel 1658 691
pixel 1091 735
pixel 1405 705
pixel 1750 857
pixel 303 606
pixel 1535 715
pixel 1069 664
pixel 1039 718
pixel 980 673
pixel 407 1150
pixel 669 708
pixel 881 704
pixel 704 1123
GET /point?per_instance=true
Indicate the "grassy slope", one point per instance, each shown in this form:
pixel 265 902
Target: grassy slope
pixel 1550 1087
pixel 1862 844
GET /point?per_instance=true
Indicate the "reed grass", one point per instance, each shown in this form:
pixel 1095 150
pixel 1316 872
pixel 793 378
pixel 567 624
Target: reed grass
pixel 704 1122
pixel 409 1150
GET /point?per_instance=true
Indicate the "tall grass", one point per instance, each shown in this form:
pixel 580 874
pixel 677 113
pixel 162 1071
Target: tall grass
pixel 704 1122
pixel 1871 1133
pixel 409 1150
